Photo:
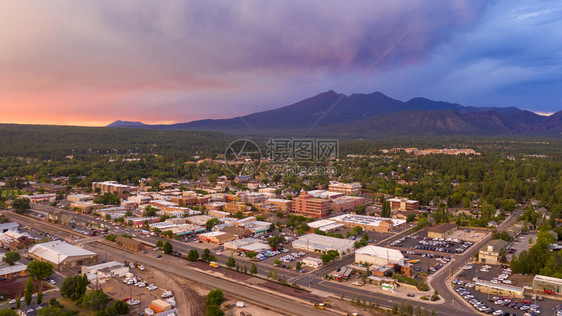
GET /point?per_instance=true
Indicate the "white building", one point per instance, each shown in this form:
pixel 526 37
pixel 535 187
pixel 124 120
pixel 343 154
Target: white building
pixel 312 262
pixel 62 254
pixel 104 271
pixel 10 226
pixel 379 256
pixel 319 243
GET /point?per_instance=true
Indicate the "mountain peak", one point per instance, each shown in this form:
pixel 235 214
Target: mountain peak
pixel 120 123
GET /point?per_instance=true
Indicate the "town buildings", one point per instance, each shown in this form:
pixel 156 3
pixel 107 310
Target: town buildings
pixel 354 188
pixel 307 205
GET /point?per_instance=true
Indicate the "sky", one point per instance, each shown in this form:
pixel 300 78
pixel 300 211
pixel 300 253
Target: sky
pixel 77 62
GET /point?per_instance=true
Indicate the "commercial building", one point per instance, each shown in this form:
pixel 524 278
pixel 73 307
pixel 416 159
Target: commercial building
pixel 49 187
pixel 113 212
pixel 309 206
pixel 191 200
pixel 323 194
pixel 58 216
pixel 216 206
pixel 403 204
pixel 41 198
pixel 102 272
pixel 246 245
pixel 326 225
pixel 545 283
pixel 284 206
pixel 236 207
pixel 379 256
pixel 218 214
pixel 490 253
pixel 441 230
pixel 354 188
pixel 141 221
pixel 312 262
pixel 15 240
pixel 252 197
pixel 370 223
pixel 10 226
pixel 62 255
pixel 129 243
pixel 113 187
pixel 499 289
pixel 239 232
pixel 18 269
pixel 217 238
pixel 79 197
pixel 346 203
pixel 321 244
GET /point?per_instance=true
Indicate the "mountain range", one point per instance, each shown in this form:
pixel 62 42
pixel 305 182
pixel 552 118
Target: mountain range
pixel 369 115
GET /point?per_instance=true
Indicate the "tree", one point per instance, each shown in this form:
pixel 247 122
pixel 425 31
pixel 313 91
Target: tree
pixel 212 223
pixel 11 257
pixel 213 310
pixel 253 269
pixel 74 287
pixel 8 312
pixel 230 263
pixel 120 307
pixel 251 254
pixel 357 230
pixel 276 240
pixel 107 198
pixel 192 255
pixel 18 302
pixel 28 293
pixel 159 243
pixel 361 209
pixel 206 255
pixel 21 205
pixel 96 300
pixel 298 265
pixel 40 297
pixel 39 270
pixel 385 211
pixel 215 297
pixel 167 247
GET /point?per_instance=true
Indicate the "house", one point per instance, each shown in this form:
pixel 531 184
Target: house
pixel 99 273
pixel 242 179
pixel 129 243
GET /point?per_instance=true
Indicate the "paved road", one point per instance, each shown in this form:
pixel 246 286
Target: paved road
pixel 175 266
pixel 451 305
pixel 440 280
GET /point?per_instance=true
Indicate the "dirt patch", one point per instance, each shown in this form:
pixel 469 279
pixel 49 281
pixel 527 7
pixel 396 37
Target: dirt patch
pixel 350 308
pixel 16 286
pixel 521 280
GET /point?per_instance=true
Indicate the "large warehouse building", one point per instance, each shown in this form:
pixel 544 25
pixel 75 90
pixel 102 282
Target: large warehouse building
pixel 319 243
pixel 379 256
pixel 62 255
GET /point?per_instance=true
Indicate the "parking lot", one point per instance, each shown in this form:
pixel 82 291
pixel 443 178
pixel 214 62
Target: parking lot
pixel 496 305
pixel 501 275
pixel 493 272
pixel 447 246
pixel 426 263
pixel 521 243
